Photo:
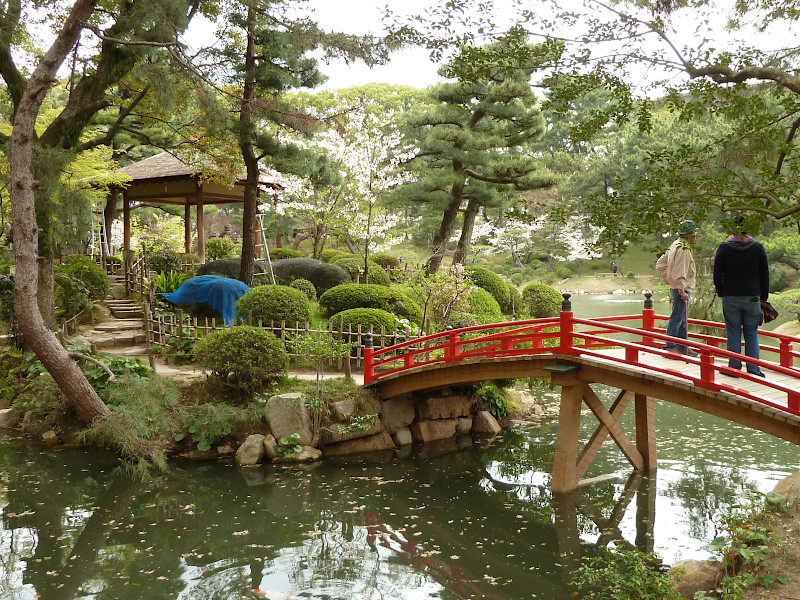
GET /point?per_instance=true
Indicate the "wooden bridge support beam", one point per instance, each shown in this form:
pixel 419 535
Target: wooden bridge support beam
pixel 569 465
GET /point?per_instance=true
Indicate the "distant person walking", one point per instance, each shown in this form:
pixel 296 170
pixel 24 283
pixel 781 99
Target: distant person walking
pixel 741 278
pixel 677 269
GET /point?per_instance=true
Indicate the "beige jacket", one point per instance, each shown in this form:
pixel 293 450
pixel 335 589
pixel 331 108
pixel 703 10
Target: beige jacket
pixel 680 274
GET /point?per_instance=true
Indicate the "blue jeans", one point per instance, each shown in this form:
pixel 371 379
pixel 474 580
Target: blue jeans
pixel 676 326
pixel 742 314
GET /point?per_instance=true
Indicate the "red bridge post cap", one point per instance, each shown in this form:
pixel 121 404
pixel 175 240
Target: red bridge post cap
pixel 566 305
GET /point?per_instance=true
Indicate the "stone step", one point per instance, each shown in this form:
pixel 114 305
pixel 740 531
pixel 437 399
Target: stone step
pixel 120 325
pixel 127 313
pixel 118 341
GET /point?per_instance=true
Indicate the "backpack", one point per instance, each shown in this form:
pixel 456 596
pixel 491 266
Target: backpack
pixel 661 267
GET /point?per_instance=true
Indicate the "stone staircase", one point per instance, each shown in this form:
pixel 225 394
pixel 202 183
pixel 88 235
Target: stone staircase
pixel 123 334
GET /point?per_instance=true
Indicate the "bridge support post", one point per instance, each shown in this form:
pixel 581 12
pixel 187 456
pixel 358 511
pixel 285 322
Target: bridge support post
pixel 645 409
pixel 565 475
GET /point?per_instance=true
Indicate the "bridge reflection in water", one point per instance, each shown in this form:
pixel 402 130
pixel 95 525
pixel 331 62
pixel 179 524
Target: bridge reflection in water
pixel 576 353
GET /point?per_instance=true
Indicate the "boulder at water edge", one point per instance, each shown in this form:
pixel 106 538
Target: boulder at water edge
pixel 691 576
pixel 790 487
pixel 251 453
pixel 288 414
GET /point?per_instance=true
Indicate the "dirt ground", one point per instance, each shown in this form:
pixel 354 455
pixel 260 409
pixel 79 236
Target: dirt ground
pixel 786 560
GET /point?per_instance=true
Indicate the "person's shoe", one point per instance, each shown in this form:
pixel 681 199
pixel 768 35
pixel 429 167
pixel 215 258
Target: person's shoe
pixel 730 374
pixel 692 353
pixel 759 374
pixel 682 351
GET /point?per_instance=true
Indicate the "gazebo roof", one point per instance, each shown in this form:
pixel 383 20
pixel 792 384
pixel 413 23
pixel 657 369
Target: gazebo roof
pixel 155 167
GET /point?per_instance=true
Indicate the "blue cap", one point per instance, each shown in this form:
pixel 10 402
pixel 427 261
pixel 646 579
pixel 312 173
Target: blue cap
pixel 687 227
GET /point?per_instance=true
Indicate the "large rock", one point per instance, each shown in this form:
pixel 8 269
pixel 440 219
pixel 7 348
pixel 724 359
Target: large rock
pixel 397 413
pixel 288 414
pixel 403 437
pixel 270 447
pixel 444 407
pixel 332 434
pixel 429 431
pixel 251 453
pixel 381 441
pixel 343 411
pixel 691 576
pixel 485 424
pixel 9 417
pixel 790 487
pixel 529 410
pixel 306 455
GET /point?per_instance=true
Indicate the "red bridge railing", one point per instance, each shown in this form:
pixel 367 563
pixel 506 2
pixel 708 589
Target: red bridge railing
pixel 639 335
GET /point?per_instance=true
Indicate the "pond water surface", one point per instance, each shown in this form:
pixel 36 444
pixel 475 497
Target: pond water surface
pixel 460 519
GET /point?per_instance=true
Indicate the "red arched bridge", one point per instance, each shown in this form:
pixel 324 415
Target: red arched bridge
pixel 620 351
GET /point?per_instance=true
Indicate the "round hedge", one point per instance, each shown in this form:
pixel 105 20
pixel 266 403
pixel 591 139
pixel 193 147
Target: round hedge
pixel 385 260
pixel 89 273
pixel 492 283
pixel 322 275
pixel 353 295
pixel 220 247
pixel 484 307
pixel 279 253
pixel 305 286
pixel 274 303
pixel 245 356
pixel 332 255
pixel 367 317
pixel 164 260
pixel 541 300
pixel 355 268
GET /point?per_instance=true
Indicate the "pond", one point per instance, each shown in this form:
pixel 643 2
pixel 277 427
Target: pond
pixel 457 519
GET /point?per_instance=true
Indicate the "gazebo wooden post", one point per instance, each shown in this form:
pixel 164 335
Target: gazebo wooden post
pixel 187 227
pixel 201 231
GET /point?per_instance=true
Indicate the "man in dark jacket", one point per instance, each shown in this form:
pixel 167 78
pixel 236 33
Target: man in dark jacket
pixel 741 278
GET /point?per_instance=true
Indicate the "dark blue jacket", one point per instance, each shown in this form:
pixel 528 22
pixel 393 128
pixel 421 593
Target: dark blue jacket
pixel 741 269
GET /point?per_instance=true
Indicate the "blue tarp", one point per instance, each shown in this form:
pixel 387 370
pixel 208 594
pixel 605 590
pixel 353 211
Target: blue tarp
pixel 220 293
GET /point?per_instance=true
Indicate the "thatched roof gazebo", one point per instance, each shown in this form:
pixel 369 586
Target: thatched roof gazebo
pixel 166 179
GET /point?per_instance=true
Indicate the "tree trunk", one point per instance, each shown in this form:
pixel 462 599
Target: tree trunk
pixel 46 292
pixel 462 250
pixel 299 238
pixel 440 239
pixel 246 125
pixel 37 335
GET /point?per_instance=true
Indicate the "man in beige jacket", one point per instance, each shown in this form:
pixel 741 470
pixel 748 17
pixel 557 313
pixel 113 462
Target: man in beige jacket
pixel 680 275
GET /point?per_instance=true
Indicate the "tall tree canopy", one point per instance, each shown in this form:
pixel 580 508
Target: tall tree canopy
pixel 473 145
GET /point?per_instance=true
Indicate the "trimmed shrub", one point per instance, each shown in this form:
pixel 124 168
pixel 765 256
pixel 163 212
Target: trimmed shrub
pixel 244 356
pixel 564 272
pixel 164 259
pixel 367 317
pixel 492 283
pixel 190 258
pixel 305 286
pixel 220 247
pixel 330 255
pixel 323 275
pixel 484 307
pixel 227 267
pixel 355 268
pixel 274 303
pixel 89 273
pixel 71 295
pixel 385 260
pixel 279 253
pixel 369 295
pixel 541 300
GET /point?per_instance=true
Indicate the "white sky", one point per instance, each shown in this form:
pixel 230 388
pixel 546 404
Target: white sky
pixel 414 67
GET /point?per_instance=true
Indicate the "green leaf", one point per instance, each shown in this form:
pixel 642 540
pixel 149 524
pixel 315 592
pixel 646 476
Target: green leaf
pixel 203 446
pixel 767 580
pixel 179 437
